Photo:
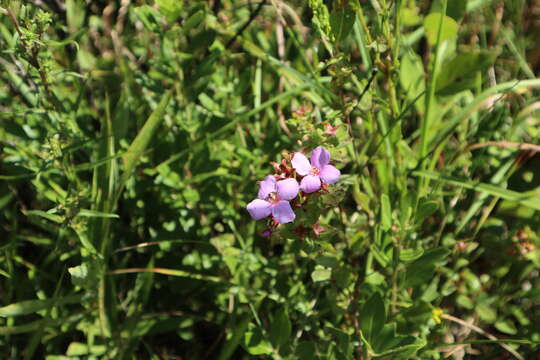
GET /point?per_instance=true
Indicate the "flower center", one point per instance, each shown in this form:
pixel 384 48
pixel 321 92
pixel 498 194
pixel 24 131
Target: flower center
pixel 314 171
pixel 273 198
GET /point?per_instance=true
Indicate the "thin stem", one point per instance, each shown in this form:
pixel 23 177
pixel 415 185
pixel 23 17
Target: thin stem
pixel 480 331
pixel 430 101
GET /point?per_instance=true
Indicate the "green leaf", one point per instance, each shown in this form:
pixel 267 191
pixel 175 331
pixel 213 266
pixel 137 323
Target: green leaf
pixel 342 342
pixel 456 9
pixel 410 255
pixel 372 317
pixel 435 21
pixel 80 349
pixel 210 105
pixel 75 13
pixel 407 347
pixel 94 213
pixel 32 306
pixel 306 350
pixel 464 302
pixel 342 22
pixel 412 78
pixel 379 255
pixel 203 40
pixel 526 199
pixel 232 257
pixel 425 210
pixel 149 17
pixel 506 326
pixel 21 329
pixel 254 342
pixel 321 274
pixel 410 16
pixel 194 20
pixel 386 213
pixel 513 86
pixel 375 278
pixel 459 73
pixel 386 339
pixel 52 217
pixel 141 142
pixel 389 342
pixel 85 275
pixel 486 312
pixel 280 328
pixel 421 271
pixel 239 327
pixel 171 9
pixel 327 261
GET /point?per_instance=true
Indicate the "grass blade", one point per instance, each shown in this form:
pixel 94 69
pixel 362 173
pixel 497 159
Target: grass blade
pixel 139 145
pixel 525 199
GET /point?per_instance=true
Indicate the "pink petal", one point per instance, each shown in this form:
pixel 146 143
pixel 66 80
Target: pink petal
pixel 320 157
pixel 259 209
pixel 287 189
pixel 301 164
pixel 310 183
pixel 329 174
pixel 283 212
pixel 267 186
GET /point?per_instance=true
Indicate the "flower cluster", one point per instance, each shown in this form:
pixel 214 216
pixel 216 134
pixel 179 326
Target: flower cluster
pixel 278 191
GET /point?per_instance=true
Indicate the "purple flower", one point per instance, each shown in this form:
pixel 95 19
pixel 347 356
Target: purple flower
pixel 317 172
pixel 274 199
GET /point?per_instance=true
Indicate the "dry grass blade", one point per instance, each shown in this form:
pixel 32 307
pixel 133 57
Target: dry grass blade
pixel 482 332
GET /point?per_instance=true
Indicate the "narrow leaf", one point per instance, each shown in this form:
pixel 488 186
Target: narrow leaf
pixel 372 317
pixel 525 199
pixel 139 145
pixel 32 306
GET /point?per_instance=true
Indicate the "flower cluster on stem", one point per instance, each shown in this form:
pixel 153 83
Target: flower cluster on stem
pixel 278 193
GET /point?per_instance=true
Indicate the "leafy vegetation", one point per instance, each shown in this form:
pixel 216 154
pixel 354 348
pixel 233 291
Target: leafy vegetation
pixel 133 134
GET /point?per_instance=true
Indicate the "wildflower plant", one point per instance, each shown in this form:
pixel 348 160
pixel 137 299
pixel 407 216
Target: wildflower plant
pixel 401 222
pixel 296 182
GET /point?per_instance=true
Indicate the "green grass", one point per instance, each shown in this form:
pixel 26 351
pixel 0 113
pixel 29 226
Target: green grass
pixel 133 134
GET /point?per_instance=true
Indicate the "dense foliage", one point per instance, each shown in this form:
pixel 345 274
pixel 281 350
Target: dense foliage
pixel 133 135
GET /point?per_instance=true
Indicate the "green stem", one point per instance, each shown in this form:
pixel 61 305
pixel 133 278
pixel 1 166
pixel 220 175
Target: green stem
pixel 429 106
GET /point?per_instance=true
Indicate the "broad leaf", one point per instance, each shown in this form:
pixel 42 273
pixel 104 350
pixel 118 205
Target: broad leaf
pixel 421 271
pixel 342 22
pixel 435 21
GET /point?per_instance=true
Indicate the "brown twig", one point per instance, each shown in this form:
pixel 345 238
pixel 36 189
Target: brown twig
pixel 506 144
pixel 482 332
pixel 357 331
pixel 122 12
pixel 493 37
pixel 356 315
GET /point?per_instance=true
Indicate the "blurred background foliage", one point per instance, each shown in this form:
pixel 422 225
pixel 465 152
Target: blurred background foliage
pixel 132 135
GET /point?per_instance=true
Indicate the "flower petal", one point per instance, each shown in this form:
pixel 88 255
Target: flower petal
pixel 287 189
pixel 283 212
pixel 310 183
pixel 320 157
pixel 301 164
pixel 267 186
pixel 259 209
pixel 329 174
